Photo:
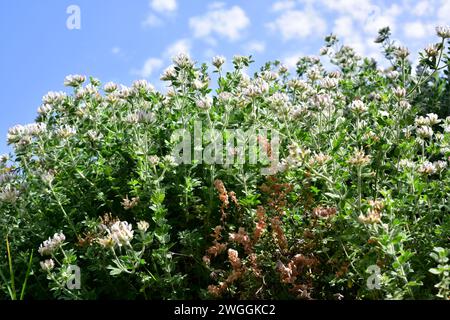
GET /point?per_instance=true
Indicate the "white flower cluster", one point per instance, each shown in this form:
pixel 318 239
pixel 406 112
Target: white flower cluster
pixel 52 244
pixel 119 233
pixel 143 86
pixel 443 31
pixel 74 80
pixel 9 194
pixel 204 103
pixel 183 61
pixel 429 120
pixel 47 265
pixel 358 106
pixel 54 98
pixel 429 168
pixel 255 88
pixel 218 61
pixel 20 132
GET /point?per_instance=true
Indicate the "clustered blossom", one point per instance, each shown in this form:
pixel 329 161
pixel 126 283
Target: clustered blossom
pixel 374 213
pixel 399 92
pixel 143 226
pixel 424 132
pixel 358 106
pixel 428 168
pixel 119 233
pixel 143 86
pixel 54 98
pixel 9 194
pixel 443 31
pixel 359 158
pixel 110 87
pixel 183 60
pixel 66 131
pixel 256 88
pixel 47 265
pixel 49 246
pixel 130 204
pixel 429 120
pixel 204 103
pixel 20 133
pixel 169 73
pixel 74 80
pixel 141 116
pixel 218 61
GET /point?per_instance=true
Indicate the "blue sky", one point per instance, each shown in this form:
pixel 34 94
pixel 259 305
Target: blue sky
pixel 126 40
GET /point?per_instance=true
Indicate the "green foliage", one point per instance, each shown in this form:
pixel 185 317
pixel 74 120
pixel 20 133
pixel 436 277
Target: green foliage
pixel 360 183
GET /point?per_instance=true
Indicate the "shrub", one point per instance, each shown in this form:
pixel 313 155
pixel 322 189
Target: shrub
pixel 347 199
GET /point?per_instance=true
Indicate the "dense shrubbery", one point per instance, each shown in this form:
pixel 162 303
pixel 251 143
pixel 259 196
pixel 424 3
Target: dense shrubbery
pixel 362 184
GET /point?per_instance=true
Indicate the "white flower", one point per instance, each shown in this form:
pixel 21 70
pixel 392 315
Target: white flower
pixel 110 87
pixel 323 101
pixel 225 97
pixel 74 80
pixel 142 226
pixel 143 85
pixel 183 60
pixel 52 244
pixel 405 105
pixel 9 194
pixel 279 99
pixel 44 109
pixel 433 119
pixel 406 164
pixel 47 265
pixel 66 131
pixel 198 84
pixel 424 132
pixel 121 232
pixel 432 50
pixel 399 92
pixel 440 165
pixel 218 61
pixel 443 31
pixel 269 75
pixel 154 160
pixel 358 106
pixel 94 135
pixel 53 98
pixel 427 168
pixel 169 74
pixel 256 88
pixel 170 160
pixel 204 103
pixel 401 52
pixel 329 83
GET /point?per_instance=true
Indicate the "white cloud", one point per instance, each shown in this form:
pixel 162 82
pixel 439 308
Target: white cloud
pixel 116 50
pixel 152 21
pixel 299 24
pixel 180 46
pixel 422 8
pixel 416 30
pixel 150 66
pixel 228 23
pixel 343 26
pixel 164 5
pixel 255 47
pixel 444 12
pixel 357 9
pixel 283 5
